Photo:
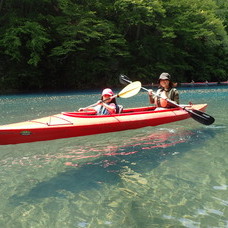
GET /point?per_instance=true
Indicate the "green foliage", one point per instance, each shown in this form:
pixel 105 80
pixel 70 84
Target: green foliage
pixel 25 41
pixel 68 44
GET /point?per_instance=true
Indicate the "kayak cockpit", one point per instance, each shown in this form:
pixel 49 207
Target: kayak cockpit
pixel 128 111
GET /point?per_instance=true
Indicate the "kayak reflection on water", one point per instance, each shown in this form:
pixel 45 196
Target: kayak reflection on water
pixel 89 167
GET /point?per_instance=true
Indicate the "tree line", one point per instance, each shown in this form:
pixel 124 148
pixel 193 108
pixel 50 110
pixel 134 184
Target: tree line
pixel 80 44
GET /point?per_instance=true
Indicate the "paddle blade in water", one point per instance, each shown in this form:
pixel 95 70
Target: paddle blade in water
pixel 130 90
pixel 201 117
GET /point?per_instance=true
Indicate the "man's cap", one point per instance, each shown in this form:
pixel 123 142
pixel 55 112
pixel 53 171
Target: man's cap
pixel 164 76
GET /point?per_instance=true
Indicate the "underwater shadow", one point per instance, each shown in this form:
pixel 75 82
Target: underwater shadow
pixel 140 154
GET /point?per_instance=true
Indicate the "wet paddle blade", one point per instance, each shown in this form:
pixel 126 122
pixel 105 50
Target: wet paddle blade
pixel 130 90
pixel 201 117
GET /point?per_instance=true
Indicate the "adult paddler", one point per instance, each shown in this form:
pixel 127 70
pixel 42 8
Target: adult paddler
pixel 166 90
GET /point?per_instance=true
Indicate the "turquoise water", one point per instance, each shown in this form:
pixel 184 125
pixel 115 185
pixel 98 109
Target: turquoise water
pixel 172 175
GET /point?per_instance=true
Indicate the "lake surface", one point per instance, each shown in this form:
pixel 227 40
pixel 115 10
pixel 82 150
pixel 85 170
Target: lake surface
pixel 172 175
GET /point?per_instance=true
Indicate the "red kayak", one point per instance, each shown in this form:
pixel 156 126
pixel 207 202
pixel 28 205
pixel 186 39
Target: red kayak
pixel 74 124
